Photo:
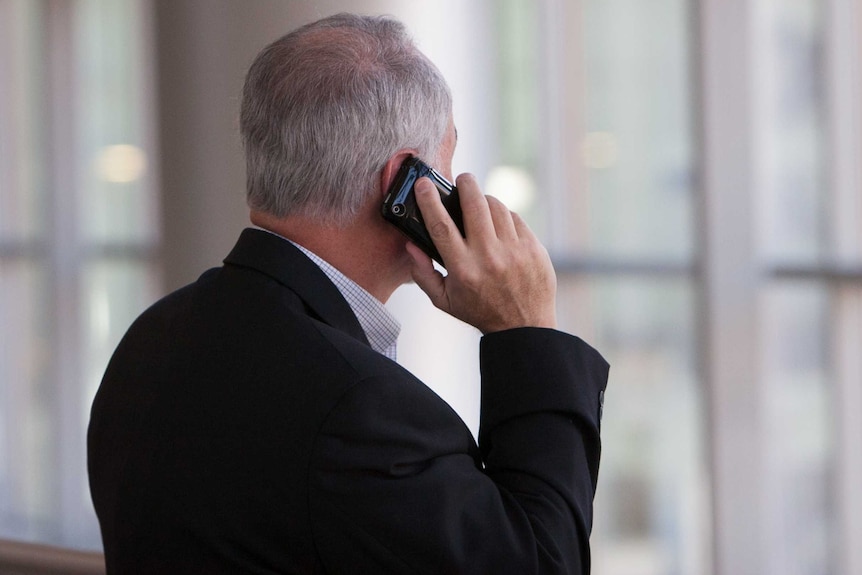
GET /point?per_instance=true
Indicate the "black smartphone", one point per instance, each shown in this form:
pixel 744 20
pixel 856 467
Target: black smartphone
pixel 400 206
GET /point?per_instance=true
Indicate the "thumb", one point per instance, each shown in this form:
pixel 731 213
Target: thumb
pixel 426 277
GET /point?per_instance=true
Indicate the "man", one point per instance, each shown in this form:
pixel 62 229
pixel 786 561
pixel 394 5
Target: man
pixel 255 421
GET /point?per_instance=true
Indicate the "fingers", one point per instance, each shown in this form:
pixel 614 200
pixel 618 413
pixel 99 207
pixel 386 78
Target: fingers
pixel 426 277
pixel 443 231
pixel 503 219
pixel 485 217
pixel 474 206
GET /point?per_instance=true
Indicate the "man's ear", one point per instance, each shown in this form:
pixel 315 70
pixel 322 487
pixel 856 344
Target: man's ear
pixel 390 169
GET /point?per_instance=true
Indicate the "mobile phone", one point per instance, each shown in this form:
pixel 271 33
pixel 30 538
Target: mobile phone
pixel 400 208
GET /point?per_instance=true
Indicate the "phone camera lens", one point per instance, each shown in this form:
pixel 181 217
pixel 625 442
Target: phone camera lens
pixel 398 209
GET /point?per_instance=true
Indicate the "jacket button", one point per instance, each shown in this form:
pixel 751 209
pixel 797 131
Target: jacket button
pixel 601 404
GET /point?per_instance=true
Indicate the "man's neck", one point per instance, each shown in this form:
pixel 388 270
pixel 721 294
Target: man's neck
pixel 365 253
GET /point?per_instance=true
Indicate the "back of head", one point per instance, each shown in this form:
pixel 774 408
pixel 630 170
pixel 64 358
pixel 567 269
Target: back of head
pixel 326 106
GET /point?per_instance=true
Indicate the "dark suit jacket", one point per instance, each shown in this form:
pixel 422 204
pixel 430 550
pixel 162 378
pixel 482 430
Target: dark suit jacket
pixel 244 425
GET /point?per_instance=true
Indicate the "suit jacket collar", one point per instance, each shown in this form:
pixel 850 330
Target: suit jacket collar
pixel 282 261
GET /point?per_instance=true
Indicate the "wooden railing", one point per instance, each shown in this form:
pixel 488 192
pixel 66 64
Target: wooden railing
pixel 18 558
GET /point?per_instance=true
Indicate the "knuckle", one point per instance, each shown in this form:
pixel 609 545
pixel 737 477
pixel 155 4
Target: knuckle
pixel 471 279
pixel 497 264
pixel 534 247
pixel 440 231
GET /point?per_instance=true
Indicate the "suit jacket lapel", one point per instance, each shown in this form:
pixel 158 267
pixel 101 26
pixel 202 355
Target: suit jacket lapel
pixel 281 260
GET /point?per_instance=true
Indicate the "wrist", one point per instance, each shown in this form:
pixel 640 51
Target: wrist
pixel 546 322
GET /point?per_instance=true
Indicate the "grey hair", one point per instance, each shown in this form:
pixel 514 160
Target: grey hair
pixel 325 106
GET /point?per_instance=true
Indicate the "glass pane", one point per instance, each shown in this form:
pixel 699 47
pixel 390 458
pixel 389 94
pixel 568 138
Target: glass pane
pixel 512 180
pixel 28 466
pixel 793 116
pixel 22 108
pixel 798 429
pixel 114 166
pixel 53 349
pixel 652 513
pixel 639 143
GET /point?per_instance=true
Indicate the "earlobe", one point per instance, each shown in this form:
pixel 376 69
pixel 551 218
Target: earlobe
pixel 390 168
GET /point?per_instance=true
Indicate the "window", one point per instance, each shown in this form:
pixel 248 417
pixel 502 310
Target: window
pixel 78 242
pixel 700 192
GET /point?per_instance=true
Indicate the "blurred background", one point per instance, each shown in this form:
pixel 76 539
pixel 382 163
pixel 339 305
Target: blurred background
pixel 693 166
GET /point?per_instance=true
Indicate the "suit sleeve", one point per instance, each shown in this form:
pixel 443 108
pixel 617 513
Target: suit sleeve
pixel 397 484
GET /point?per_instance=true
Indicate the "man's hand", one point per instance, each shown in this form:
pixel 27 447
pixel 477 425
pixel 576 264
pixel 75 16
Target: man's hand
pixel 499 276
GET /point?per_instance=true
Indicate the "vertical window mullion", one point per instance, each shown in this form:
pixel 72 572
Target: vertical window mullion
pixel 846 341
pixel 731 280
pixel 66 259
pixel 843 78
pixel 843 92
